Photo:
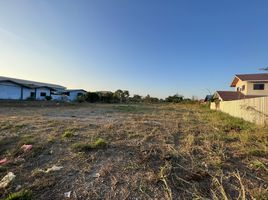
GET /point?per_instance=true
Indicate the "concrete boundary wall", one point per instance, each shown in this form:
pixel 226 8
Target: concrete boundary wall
pixel 254 109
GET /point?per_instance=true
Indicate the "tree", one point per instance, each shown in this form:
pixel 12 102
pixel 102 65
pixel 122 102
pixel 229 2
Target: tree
pixel 125 95
pixel 174 99
pixel 121 96
pixel 136 98
pixel 92 97
pixel 106 97
pixel 147 99
pixel 118 96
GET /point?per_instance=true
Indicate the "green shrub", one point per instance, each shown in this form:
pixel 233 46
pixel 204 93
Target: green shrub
pixel 21 195
pixel 67 134
pixel 98 144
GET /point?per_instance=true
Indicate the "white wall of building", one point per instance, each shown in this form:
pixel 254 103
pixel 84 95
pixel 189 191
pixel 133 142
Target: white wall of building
pixel 10 90
pixel 27 93
pixel 73 95
pixel 39 92
pixel 13 91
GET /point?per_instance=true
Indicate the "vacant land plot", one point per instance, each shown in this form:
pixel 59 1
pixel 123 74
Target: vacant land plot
pixel 165 151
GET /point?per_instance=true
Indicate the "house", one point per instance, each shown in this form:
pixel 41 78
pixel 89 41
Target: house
pixel 246 86
pixel 208 98
pixel 74 93
pixel 18 89
pixel 251 84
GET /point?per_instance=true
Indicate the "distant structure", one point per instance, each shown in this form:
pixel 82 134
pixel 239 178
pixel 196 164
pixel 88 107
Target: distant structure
pixel 246 86
pixel 208 98
pixel 19 89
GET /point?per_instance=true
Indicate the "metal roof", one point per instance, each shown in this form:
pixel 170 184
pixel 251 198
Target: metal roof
pixel 253 77
pixel 234 95
pixel 31 84
pixel 74 90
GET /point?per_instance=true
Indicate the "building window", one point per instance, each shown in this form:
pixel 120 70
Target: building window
pixel 32 94
pixel 43 94
pixel 258 86
pixel 243 87
pixel 238 89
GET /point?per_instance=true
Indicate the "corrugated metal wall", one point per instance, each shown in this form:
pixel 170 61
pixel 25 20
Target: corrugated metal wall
pixel 254 110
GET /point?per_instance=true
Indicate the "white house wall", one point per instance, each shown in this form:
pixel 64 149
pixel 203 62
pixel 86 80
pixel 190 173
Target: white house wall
pixel 73 95
pixel 27 93
pixel 39 91
pixel 10 90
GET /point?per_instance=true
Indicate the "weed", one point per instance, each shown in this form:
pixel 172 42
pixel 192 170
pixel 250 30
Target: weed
pixel 98 144
pixel 6 126
pixel 257 152
pixel 21 195
pixel 131 165
pixel 256 164
pixel 51 139
pixel 67 134
pixel 262 195
pixel 163 175
pixel 9 125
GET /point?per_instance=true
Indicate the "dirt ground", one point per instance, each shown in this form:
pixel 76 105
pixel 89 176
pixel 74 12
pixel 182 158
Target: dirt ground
pixel 161 151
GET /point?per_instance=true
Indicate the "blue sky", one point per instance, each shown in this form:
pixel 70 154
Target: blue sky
pixel 152 47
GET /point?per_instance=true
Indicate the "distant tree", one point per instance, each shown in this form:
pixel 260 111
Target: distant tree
pixel 121 96
pixel 136 98
pixel 154 100
pixel 149 99
pixel 125 96
pixel 174 99
pixel 106 97
pixel 118 96
pixel 92 97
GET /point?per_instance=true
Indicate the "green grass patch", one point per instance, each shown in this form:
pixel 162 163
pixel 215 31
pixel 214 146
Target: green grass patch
pixel 21 195
pixel 256 164
pixel 5 126
pixel 257 152
pixel 11 126
pixel 67 134
pixel 98 144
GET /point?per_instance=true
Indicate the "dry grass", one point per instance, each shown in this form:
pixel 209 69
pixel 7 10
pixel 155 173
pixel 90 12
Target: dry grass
pixel 163 151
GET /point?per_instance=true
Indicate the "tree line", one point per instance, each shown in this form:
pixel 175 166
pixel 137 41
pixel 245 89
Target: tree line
pixel 123 96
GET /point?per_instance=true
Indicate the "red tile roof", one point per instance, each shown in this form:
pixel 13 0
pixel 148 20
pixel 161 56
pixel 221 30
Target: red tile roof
pixel 233 95
pixel 253 77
